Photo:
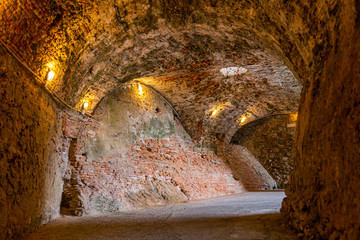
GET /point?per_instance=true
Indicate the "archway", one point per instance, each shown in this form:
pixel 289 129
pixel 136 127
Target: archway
pixel 271 141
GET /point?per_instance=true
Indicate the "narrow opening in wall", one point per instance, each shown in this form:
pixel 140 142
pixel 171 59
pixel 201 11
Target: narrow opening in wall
pixel 70 200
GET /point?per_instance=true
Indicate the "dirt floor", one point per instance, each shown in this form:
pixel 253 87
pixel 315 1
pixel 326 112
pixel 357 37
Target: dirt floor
pixel 252 215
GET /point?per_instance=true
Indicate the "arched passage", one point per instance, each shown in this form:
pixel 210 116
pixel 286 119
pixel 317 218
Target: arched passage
pixel 271 141
pixel 95 46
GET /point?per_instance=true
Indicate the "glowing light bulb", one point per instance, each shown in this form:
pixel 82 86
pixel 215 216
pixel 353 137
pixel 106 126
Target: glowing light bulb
pixel 214 113
pixel 242 119
pixel 86 105
pixel 293 117
pixel 50 75
pixel 140 89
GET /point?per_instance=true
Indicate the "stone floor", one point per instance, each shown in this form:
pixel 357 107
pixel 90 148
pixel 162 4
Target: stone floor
pixel 252 215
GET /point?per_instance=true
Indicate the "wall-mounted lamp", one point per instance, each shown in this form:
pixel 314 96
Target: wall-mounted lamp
pixel 219 109
pixel 214 113
pixel 85 106
pixel 140 89
pixel 293 117
pixel 242 120
pixel 50 75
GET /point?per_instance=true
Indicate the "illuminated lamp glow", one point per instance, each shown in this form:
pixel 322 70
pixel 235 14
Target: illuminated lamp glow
pixel 214 113
pixel 50 75
pixel 86 105
pixel 242 119
pixel 293 117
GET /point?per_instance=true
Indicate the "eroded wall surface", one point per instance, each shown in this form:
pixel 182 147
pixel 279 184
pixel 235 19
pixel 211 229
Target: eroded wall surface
pixel 30 165
pixel 323 198
pixel 137 154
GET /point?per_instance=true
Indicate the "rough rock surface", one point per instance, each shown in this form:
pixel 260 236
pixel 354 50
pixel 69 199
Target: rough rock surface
pixel 323 200
pixel 30 184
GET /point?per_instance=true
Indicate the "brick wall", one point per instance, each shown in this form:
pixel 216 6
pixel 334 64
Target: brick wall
pixel 153 172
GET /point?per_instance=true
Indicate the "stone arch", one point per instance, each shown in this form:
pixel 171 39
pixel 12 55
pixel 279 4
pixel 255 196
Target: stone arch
pixel 271 140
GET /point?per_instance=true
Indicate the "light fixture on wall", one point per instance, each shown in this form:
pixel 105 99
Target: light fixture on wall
pixel 213 114
pixel 85 106
pixel 242 120
pixel 50 75
pixel 140 89
pixel 293 117
pixel 218 109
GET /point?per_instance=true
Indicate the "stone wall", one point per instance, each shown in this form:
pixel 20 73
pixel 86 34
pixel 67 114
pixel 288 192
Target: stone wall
pixel 136 154
pixel 271 141
pixel 323 197
pixel 30 163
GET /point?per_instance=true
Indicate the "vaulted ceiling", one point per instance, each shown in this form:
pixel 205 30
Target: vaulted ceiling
pixel 178 48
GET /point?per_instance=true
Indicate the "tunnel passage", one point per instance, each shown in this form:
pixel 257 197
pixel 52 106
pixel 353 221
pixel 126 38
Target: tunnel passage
pixel 271 141
pixel 71 203
pixel 93 47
